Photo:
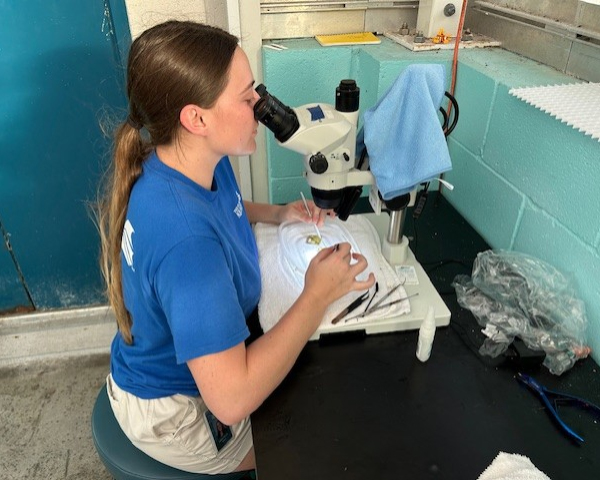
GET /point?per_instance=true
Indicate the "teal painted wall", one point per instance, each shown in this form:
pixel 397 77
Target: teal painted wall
pixel 524 180
pixel 60 69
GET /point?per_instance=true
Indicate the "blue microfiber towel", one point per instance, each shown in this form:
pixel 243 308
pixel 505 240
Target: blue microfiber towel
pixel 403 132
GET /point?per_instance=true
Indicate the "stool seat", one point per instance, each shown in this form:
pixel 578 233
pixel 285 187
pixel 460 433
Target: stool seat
pixel 125 461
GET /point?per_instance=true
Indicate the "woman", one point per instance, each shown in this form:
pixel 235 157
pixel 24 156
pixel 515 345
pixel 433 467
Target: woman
pixel 181 262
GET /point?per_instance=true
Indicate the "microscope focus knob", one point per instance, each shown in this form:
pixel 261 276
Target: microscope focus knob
pixel 318 163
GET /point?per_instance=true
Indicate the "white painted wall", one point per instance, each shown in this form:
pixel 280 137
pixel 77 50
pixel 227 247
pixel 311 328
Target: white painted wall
pixel 251 39
pixel 144 14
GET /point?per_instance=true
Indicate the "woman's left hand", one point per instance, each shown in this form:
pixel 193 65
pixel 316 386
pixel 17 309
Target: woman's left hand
pixel 296 211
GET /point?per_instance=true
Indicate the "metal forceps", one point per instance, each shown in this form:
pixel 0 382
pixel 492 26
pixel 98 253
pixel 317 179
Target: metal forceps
pixel 552 399
pixel 377 303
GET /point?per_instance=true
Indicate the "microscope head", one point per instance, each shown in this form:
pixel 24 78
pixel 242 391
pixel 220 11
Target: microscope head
pixel 274 115
pixel 326 136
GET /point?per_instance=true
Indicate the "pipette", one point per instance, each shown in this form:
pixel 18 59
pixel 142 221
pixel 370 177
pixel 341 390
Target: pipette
pixel 309 213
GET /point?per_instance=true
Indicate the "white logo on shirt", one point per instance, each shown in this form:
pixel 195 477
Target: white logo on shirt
pixel 127 244
pixel 238 208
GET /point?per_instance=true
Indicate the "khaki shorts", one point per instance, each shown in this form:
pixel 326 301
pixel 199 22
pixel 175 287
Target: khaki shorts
pixel 175 430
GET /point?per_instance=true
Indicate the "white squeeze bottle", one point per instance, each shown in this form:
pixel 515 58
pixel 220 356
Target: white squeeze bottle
pixel 426 334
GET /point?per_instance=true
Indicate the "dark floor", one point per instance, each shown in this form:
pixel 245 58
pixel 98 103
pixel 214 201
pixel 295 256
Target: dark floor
pixel 45 411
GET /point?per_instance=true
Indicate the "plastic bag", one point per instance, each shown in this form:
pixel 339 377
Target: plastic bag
pixel 512 294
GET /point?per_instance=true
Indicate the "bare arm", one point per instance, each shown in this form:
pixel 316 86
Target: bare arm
pixel 266 213
pixel 233 383
pixel 263 212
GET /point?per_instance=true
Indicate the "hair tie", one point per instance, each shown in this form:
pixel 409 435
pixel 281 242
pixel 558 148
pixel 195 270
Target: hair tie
pixel 133 124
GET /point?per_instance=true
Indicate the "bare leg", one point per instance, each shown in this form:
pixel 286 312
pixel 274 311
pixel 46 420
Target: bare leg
pixel 248 463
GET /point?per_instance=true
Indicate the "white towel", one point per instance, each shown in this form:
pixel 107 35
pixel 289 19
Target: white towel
pixel 512 466
pixel 279 292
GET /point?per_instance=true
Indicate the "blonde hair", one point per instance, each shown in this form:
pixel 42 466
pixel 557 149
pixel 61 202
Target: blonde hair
pixel 171 65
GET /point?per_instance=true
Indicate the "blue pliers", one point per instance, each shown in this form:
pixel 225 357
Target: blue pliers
pixel 552 400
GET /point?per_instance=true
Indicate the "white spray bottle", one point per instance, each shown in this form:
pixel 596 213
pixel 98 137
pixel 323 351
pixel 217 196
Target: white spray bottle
pixel 426 335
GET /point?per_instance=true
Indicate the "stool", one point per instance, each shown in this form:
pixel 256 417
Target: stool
pixel 126 462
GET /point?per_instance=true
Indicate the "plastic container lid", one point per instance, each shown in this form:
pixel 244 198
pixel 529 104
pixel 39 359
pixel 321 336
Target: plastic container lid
pixel 296 249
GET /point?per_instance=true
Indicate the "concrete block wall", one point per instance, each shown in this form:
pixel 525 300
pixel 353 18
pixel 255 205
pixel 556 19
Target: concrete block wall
pixel 526 181
pixel 523 179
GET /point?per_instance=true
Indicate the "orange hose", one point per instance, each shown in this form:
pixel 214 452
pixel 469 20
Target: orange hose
pixel 461 23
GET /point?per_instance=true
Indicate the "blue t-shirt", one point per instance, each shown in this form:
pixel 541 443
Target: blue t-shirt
pixel 190 277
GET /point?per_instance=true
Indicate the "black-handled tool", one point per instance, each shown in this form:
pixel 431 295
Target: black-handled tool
pixel 353 306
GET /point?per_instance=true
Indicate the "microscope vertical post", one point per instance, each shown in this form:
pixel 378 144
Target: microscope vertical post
pixel 395 244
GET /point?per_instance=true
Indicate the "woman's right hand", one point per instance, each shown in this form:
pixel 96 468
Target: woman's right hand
pixel 332 274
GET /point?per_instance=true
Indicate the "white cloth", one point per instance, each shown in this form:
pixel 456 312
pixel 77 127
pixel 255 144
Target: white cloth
pixel 279 292
pixel 512 466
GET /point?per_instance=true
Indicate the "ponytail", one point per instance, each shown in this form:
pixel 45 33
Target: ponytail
pixel 129 153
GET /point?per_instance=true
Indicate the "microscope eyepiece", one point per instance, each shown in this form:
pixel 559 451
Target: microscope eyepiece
pixel 274 115
pixel 347 96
